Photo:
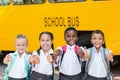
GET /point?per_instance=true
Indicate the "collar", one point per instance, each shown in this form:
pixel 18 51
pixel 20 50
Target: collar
pixel 100 51
pixel 16 53
pixel 71 46
pixel 49 52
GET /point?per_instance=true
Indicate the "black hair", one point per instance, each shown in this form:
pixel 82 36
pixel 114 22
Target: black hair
pixel 69 29
pixel 51 36
pixel 98 32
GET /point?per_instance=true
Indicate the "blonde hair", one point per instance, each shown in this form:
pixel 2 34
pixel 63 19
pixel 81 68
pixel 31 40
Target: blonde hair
pixel 19 36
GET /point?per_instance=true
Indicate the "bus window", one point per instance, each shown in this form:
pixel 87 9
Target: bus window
pixel 106 0
pixel 4 2
pixel 17 2
pixel 101 0
pixel 56 1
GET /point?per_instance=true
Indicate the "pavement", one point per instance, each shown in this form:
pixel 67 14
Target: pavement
pixel 2 68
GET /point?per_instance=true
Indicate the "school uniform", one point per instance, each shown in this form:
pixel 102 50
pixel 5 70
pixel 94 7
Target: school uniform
pixel 70 67
pixel 96 67
pixel 18 71
pixel 43 70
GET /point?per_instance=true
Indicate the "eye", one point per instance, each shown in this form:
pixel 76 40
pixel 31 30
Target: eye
pixel 23 44
pixel 42 40
pixel 18 44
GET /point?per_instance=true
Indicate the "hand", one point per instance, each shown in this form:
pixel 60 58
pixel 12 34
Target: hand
pixel 7 59
pixel 49 58
pixel 57 52
pixel 86 55
pixel 31 59
pixel 36 59
pixel 80 51
pixel 117 78
pixel 109 56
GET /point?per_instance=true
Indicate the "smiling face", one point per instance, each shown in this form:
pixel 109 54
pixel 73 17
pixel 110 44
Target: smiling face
pixel 21 45
pixel 71 37
pixel 97 40
pixel 45 42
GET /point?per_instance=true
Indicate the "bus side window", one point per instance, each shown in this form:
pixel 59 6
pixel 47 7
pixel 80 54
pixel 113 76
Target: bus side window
pixel 57 1
pixel 4 2
pixel 17 2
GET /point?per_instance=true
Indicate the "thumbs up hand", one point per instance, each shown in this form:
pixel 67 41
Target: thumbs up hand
pixel 49 58
pixel 109 56
pixel 80 51
pixel 86 55
pixel 34 59
pixel 7 59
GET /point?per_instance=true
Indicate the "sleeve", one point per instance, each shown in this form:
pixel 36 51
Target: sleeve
pixel 60 48
pixel 28 60
pixel 82 49
pixel 35 53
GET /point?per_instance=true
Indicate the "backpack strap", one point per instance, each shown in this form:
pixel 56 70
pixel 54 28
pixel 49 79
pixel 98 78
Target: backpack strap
pixel 110 76
pixel 9 67
pixel 38 51
pixel 64 51
pixel 27 66
pixel 64 48
pixel 105 60
pixel 75 49
pixel 87 66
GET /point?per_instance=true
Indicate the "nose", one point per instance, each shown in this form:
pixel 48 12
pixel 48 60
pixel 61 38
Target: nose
pixel 71 38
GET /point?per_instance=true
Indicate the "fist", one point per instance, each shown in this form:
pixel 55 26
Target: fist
pixel 36 59
pixel 80 51
pixel 57 52
pixel 49 58
pixel 109 56
pixel 86 55
pixel 7 59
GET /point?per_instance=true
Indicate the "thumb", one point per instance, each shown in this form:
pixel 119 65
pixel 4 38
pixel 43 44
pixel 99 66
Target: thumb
pixel 85 48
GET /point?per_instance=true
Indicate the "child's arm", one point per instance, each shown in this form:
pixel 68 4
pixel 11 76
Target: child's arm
pixel 7 59
pixel 117 78
pixel 56 54
pixel 80 51
pixel 86 54
pixel 50 58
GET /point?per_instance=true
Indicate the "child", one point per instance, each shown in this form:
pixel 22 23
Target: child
pixel 96 64
pixel 70 58
pixel 42 59
pixel 18 62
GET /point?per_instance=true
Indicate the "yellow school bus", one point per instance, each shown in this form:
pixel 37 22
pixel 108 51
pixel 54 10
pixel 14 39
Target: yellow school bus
pixel 31 17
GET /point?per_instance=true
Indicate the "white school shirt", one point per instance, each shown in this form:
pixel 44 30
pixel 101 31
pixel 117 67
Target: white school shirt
pixel 44 67
pixel 18 70
pixel 97 67
pixel 70 64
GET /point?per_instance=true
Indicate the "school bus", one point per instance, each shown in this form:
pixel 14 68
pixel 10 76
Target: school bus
pixel 31 17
